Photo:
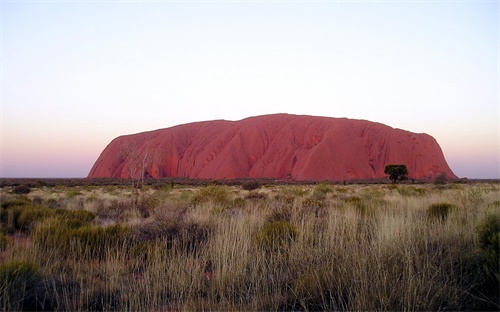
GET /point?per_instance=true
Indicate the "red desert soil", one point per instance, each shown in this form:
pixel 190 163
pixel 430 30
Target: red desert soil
pixel 280 146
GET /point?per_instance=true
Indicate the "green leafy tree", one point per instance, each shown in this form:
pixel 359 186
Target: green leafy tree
pixel 396 172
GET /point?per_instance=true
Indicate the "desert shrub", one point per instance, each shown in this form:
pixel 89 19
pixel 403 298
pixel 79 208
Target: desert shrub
pixel 296 191
pixel 471 198
pixel 250 185
pixel 53 203
pixel 181 235
pixel 73 193
pixel 439 211
pixel 4 242
pixel 276 234
pixel 285 199
pixel 75 218
pixel 256 196
pixel 86 241
pixel 113 211
pixel 488 231
pixel 489 240
pixel 30 214
pixel 313 203
pixel 37 200
pixel 360 205
pixel 411 191
pixel 21 189
pixel 280 213
pixel 355 200
pixel 239 202
pixel 147 204
pixel 323 189
pixel 192 237
pixel 441 178
pixel 20 285
pixel 20 201
pixel 23 217
pixel 218 195
pixel 155 230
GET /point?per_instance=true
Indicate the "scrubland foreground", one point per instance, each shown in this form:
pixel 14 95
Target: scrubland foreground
pixel 309 247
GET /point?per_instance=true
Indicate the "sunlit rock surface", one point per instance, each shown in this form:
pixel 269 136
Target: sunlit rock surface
pixel 277 146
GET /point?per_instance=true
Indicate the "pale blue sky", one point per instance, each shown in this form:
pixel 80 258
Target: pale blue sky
pixel 76 74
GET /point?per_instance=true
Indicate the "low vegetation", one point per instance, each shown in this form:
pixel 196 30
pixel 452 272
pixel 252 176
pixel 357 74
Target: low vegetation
pixel 250 246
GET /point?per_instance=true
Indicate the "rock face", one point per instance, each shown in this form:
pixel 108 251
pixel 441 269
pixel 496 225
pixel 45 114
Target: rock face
pixel 277 146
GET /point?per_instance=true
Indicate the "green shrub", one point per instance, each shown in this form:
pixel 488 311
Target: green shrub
pixel 276 234
pixel 21 189
pixel 218 195
pixel 20 285
pixel 88 242
pixel 439 211
pixel 323 189
pixel 411 191
pixel 250 185
pixel 75 218
pixel 296 191
pixel 20 201
pixel 73 193
pixel 489 240
pixel 31 214
pixel 23 217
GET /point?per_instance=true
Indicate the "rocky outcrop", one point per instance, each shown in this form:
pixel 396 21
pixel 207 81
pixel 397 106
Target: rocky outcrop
pixel 280 146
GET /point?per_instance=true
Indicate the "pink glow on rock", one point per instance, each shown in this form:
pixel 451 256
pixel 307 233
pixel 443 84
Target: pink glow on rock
pixel 278 146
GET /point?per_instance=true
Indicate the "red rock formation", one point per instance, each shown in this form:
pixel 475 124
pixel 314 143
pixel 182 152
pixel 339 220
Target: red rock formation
pixel 277 146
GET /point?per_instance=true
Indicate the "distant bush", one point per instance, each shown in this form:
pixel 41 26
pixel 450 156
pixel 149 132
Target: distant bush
pixel 113 211
pixel 439 211
pixel 213 193
pixel 53 203
pixel 73 193
pixel 250 185
pixel 256 196
pixel 21 189
pixel 323 189
pixel 411 191
pixel 441 178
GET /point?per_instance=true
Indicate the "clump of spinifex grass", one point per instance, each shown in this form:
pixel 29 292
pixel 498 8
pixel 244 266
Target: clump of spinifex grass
pixel 320 247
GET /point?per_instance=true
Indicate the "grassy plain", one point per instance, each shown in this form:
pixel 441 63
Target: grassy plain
pixel 279 247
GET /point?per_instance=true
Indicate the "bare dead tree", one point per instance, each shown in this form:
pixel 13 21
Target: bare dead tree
pixel 137 163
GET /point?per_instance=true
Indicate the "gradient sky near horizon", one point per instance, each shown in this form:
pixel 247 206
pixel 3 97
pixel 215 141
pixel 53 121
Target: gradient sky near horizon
pixel 76 74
